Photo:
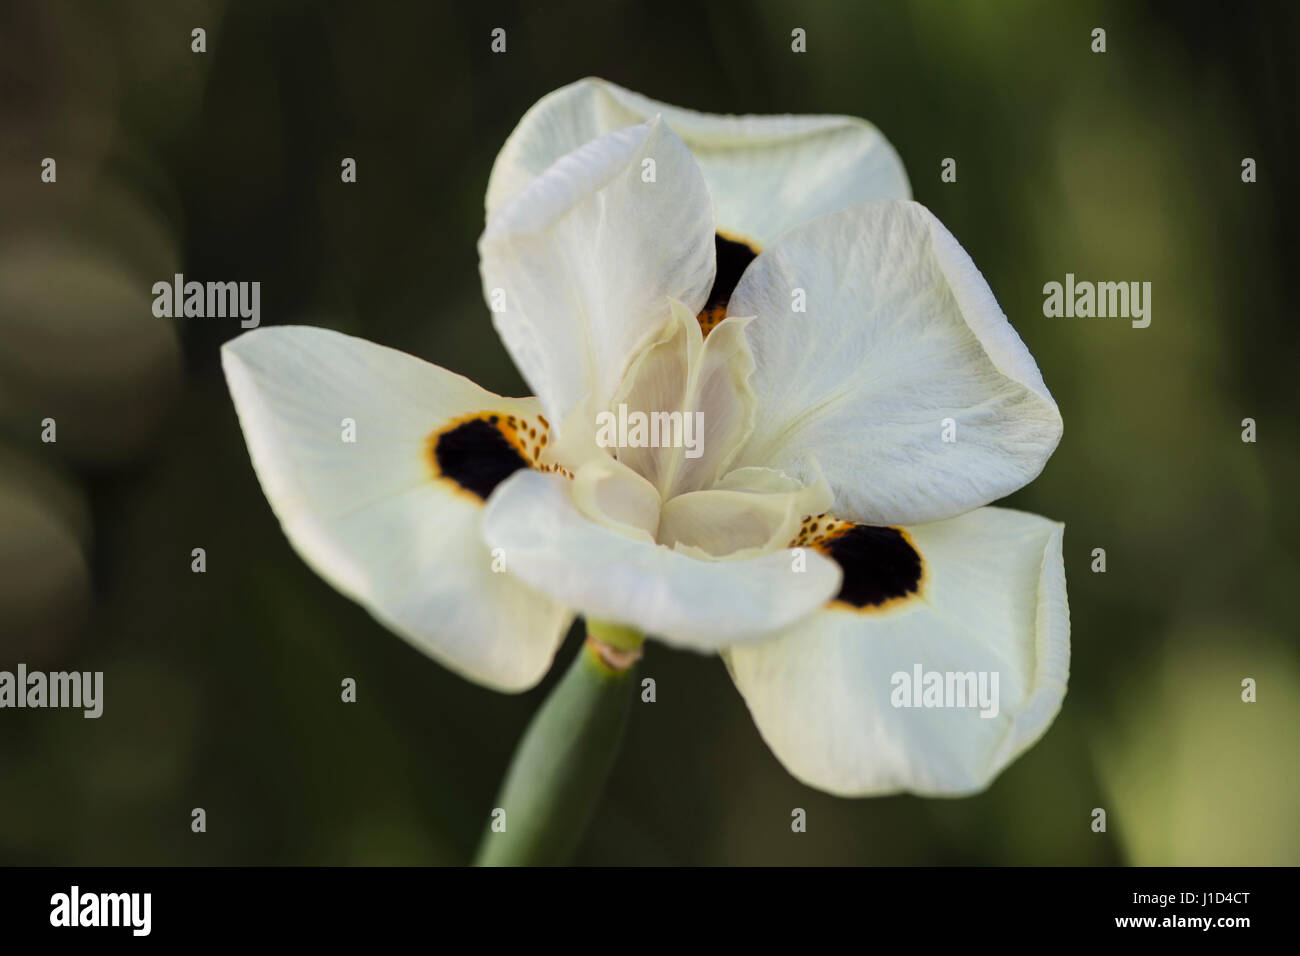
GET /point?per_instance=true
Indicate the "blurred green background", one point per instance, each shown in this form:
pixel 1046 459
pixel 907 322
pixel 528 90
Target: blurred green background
pixel 222 689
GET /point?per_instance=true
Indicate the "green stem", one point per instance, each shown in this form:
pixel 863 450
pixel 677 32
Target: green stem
pixel 561 764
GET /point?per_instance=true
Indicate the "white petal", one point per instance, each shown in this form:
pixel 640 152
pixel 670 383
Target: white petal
pixel 766 173
pixel 722 401
pixel 371 516
pixel 703 605
pixel 900 334
pixel 657 381
pixel 614 495
pixel 992 600
pixel 752 511
pixel 703 385
pixel 587 257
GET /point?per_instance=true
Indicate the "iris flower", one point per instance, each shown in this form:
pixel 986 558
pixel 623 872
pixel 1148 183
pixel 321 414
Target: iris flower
pixel 863 400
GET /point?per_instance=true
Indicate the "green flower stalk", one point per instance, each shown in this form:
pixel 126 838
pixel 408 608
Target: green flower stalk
pixel 561 765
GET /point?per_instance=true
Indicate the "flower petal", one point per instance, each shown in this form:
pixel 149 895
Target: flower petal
pixel 766 173
pixel 696 391
pixel 614 495
pixel 656 381
pixel 392 519
pixel 702 605
pixel 722 400
pixel 900 335
pixel 581 264
pixel 752 511
pixel 992 600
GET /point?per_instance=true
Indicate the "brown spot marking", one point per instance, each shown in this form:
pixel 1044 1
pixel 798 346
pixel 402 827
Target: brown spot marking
pixel 478 451
pixel 733 257
pixel 882 565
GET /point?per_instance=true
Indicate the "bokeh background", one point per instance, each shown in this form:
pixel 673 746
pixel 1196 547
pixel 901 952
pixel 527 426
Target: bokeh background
pixel 222 689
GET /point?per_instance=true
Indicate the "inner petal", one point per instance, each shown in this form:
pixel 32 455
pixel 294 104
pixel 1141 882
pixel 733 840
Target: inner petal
pixel 723 404
pixel 751 512
pixel 656 383
pixel 882 565
pixel 697 392
pixel 615 496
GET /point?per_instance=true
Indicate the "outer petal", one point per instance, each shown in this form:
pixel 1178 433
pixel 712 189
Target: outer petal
pixel 993 601
pixel 587 257
pixel 766 173
pixel 370 516
pixel 900 334
pixel 702 605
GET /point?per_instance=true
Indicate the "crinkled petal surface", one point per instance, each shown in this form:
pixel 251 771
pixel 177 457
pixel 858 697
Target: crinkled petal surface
pixel 374 517
pixel 902 345
pixel 581 265
pixel 702 605
pixel 992 600
pixel 766 173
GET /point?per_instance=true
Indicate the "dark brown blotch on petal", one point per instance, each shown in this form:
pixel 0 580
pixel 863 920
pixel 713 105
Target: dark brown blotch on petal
pixel 479 451
pixel 882 565
pixel 733 258
pixel 476 455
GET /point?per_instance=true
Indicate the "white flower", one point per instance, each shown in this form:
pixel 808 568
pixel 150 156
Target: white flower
pixel 625 282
